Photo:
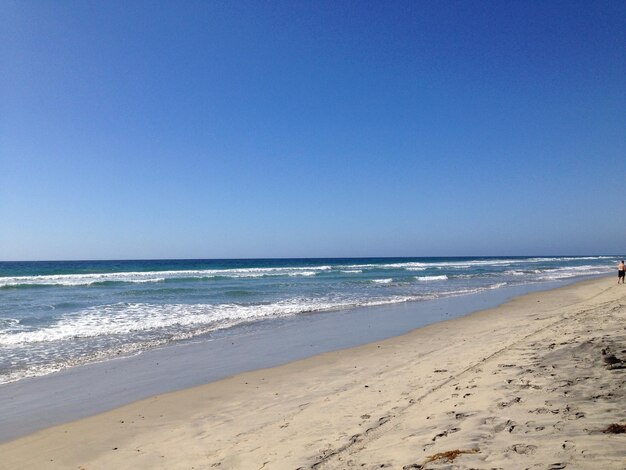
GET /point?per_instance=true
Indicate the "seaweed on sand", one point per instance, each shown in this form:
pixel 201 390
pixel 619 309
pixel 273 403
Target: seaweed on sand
pixel 450 455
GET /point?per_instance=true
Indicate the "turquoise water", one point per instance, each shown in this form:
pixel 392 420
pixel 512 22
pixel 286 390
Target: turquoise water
pixel 54 315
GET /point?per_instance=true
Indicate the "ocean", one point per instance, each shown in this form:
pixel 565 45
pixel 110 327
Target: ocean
pixel 59 314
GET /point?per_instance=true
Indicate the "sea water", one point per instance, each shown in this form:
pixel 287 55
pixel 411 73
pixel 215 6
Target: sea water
pixel 54 315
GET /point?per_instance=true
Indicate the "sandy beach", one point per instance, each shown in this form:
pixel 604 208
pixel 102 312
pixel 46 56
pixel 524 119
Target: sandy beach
pixel 535 383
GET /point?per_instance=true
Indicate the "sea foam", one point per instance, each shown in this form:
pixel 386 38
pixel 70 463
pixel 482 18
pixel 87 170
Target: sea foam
pixel 432 278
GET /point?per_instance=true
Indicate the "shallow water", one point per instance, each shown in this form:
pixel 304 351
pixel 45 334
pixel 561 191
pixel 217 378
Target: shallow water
pixel 54 315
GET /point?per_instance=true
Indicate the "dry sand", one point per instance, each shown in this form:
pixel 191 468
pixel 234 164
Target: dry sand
pixel 524 385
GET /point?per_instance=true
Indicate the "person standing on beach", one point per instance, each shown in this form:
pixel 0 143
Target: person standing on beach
pixel 621 271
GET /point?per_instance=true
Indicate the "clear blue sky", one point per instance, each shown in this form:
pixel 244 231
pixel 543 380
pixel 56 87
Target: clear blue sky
pixel 217 129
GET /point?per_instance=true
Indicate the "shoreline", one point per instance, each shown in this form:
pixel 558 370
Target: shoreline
pixel 84 390
pixel 306 413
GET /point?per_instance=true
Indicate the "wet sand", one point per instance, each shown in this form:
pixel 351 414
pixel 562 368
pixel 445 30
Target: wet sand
pixel 534 383
pixel 74 393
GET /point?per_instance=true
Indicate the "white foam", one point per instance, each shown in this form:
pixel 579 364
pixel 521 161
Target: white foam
pixel 9 324
pixel 460 264
pixel 160 276
pixel 432 278
pixel 571 271
pixel 379 266
pixel 129 318
pixel 568 258
pixel 475 290
pixel 497 285
pixel 352 271
pixel 156 276
pixel 382 281
pixel 513 272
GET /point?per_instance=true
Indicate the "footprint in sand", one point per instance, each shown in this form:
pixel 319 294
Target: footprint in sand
pixel 488 420
pixel 445 433
pixel 506 404
pixel 507 425
pixel 523 449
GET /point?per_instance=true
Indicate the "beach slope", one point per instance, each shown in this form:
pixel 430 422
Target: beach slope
pixel 538 382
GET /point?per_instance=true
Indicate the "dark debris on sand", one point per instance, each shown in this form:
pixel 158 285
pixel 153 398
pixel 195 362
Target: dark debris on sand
pixel 450 455
pixel 447 456
pixel 615 429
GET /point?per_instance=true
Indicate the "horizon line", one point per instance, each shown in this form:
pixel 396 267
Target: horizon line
pixel 307 258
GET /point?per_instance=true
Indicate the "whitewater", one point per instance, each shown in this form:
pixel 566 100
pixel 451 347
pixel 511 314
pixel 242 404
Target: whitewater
pixel 55 315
